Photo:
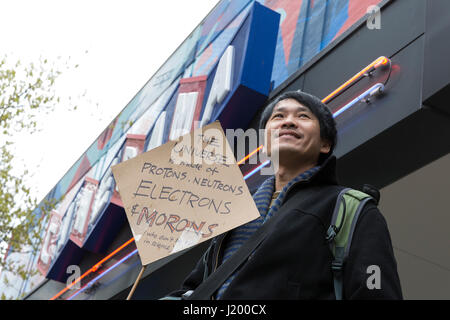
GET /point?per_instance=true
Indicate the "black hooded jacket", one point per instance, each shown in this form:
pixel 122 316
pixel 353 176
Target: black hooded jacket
pixel 294 260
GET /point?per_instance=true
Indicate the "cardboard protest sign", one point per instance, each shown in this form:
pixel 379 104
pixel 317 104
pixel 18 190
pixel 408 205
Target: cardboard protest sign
pixel 183 192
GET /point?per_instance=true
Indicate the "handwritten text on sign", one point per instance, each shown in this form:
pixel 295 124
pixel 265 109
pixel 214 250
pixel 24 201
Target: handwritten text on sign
pixel 183 192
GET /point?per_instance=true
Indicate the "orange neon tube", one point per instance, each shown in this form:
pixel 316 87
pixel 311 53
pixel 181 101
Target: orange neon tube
pixel 249 155
pixel 381 61
pixel 93 269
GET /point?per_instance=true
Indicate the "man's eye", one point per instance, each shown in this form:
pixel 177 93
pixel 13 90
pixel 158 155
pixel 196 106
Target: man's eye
pixel 277 115
pixel 303 115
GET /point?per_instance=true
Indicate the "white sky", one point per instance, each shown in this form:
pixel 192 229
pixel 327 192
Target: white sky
pixel 126 42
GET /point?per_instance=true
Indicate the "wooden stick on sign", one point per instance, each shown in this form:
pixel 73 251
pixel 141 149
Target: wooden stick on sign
pixel 136 283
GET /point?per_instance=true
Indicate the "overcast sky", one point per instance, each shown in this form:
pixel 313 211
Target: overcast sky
pixel 118 45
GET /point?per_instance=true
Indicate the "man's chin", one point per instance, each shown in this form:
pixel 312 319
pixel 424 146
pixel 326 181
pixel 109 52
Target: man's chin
pixel 286 151
pixel 289 154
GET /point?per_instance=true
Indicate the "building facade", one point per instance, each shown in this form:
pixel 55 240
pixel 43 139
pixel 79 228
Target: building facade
pixel 382 67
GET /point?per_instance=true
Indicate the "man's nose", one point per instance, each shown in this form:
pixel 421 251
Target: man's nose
pixel 288 122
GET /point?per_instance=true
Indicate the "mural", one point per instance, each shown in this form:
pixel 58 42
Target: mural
pixel 307 27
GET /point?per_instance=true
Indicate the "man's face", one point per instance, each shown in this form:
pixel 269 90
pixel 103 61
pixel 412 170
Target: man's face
pixel 294 131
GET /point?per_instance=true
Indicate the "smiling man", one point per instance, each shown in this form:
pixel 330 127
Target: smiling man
pixel 294 259
pixel 295 132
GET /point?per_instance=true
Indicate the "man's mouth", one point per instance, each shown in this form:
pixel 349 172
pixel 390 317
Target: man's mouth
pixel 291 133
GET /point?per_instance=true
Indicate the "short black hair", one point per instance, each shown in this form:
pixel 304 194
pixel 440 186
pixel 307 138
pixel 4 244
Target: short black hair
pixel 327 124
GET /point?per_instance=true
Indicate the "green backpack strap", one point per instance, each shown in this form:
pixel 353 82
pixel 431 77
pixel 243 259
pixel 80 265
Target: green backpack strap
pixel 349 205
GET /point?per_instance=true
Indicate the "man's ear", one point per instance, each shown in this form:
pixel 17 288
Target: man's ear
pixel 325 146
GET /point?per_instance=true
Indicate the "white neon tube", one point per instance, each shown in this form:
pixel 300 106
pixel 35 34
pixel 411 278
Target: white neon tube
pixel 371 92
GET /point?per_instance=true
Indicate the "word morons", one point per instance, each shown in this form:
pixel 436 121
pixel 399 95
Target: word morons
pixel 173 221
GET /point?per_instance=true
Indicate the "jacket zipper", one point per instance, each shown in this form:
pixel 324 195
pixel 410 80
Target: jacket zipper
pixel 289 189
pixel 217 256
pixel 217 261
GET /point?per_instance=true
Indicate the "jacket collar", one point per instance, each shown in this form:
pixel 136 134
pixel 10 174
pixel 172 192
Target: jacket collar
pixel 327 172
pixel 324 174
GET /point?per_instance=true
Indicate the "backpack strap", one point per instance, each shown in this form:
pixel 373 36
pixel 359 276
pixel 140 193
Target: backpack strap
pixel 349 205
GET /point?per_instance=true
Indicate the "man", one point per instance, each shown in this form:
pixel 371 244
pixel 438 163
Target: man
pixel 294 260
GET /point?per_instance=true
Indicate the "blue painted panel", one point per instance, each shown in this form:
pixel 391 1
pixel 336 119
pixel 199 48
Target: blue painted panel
pixel 254 55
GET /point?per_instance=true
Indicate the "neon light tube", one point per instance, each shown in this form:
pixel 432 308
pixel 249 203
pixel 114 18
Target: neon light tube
pixel 381 61
pixel 248 175
pixel 102 274
pixel 93 269
pixel 249 155
pixel 373 91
